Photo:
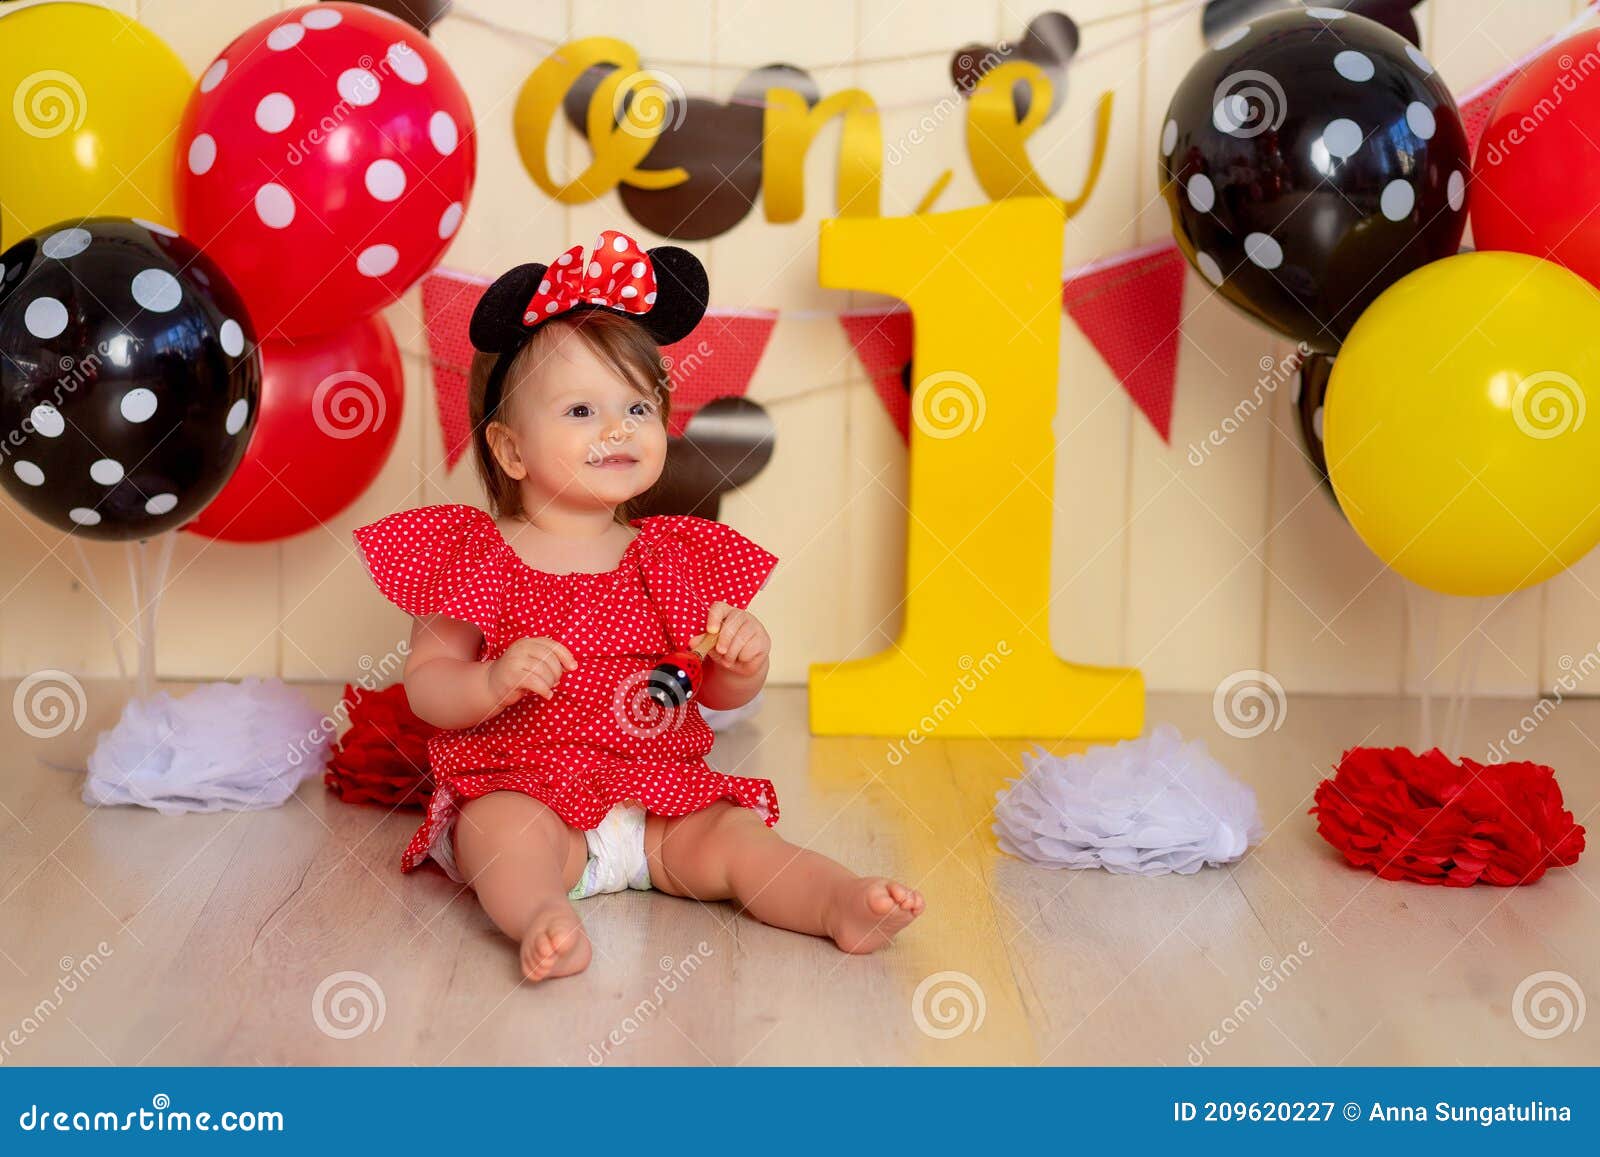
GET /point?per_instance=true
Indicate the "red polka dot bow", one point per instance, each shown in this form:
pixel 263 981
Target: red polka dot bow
pixel 617 275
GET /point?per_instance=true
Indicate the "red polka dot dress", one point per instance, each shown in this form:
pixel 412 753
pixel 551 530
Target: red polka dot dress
pixel 600 740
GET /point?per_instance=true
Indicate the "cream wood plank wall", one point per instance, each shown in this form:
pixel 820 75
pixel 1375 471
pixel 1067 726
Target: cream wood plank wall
pixel 1190 572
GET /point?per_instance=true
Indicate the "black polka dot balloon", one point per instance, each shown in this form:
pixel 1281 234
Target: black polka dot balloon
pixel 128 377
pixel 1311 160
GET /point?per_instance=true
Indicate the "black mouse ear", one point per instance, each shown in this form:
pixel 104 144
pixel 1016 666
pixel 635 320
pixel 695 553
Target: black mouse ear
pixel 682 294
pixel 496 326
pixel 1050 36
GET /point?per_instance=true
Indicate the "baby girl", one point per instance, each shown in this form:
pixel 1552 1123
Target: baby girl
pixel 566 768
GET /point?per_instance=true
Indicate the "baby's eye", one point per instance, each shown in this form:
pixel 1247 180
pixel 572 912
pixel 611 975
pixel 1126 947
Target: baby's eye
pixel 643 408
pixel 575 409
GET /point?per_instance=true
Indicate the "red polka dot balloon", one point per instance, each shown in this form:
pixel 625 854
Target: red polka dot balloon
pixel 325 161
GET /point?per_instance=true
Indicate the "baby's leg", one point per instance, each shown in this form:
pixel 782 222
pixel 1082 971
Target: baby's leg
pixel 522 860
pixel 726 852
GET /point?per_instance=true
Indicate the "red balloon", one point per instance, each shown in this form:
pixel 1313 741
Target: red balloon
pixel 1535 185
pixel 329 412
pixel 324 161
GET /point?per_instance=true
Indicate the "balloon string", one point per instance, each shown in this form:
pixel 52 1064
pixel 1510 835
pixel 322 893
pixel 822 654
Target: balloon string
pixel 1467 680
pixel 133 552
pixel 136 589
pixel 1452 717
pixel 113 627
pixel 1432 606
pixel 168 540
pixel 147 575
pixel 1421 655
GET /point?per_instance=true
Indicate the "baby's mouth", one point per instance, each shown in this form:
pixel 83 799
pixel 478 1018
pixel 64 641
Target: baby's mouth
pixel 615 462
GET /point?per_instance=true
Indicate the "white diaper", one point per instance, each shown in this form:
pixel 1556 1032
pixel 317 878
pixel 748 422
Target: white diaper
pixel 443 850
pixel 616 854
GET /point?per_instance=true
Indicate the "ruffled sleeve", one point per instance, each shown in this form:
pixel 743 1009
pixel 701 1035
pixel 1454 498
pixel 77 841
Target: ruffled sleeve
pixel 690 563
pixel 440 560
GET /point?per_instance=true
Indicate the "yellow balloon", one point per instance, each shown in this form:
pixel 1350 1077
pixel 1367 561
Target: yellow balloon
pixel 89 101
pixel 1457 428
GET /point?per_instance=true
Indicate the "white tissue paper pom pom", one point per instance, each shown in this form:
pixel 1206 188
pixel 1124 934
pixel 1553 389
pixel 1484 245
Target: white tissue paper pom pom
pixel 221 747
pixel 1145 806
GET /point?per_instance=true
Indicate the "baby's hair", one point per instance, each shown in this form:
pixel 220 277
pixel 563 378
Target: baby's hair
pixel 621 344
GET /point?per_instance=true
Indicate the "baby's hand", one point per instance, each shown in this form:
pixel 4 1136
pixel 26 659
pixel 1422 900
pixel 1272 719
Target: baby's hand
pixel 528 665
pixel 742 642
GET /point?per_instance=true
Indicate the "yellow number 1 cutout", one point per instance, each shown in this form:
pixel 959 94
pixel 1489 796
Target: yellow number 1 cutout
pixel 984 289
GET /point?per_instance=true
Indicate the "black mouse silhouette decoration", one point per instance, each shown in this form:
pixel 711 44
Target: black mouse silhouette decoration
pixel 420 14
pixel 725 444
pixel 717 144
pixel 1050 41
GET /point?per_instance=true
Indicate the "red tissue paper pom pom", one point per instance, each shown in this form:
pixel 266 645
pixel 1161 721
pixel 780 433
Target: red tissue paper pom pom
pixel 383 757
pixel 1430 820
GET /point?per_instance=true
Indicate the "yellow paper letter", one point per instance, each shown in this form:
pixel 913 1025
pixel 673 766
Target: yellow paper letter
pixel 788 128
pixel 997 144
pixel 618 147
pixel 984 287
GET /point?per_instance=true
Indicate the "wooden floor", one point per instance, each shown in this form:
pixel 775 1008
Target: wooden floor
pixel 205 939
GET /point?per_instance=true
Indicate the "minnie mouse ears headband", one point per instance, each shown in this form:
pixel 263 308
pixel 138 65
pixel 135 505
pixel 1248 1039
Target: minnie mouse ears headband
pixel 665 291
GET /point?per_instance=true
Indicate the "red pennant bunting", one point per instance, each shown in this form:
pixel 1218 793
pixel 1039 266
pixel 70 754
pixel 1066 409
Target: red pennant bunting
pixel 882 340
pixel 1477 104
pixel 1476 107
pixel 448 300
pixel 717 360
pixel 1131 308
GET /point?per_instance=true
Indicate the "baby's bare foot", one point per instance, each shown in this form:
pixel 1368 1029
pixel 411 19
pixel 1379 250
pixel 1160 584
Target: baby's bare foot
pixel 555 943
pixel 868 912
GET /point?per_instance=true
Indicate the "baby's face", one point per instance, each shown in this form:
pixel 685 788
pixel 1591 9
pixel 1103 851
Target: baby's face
pixel 584 435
